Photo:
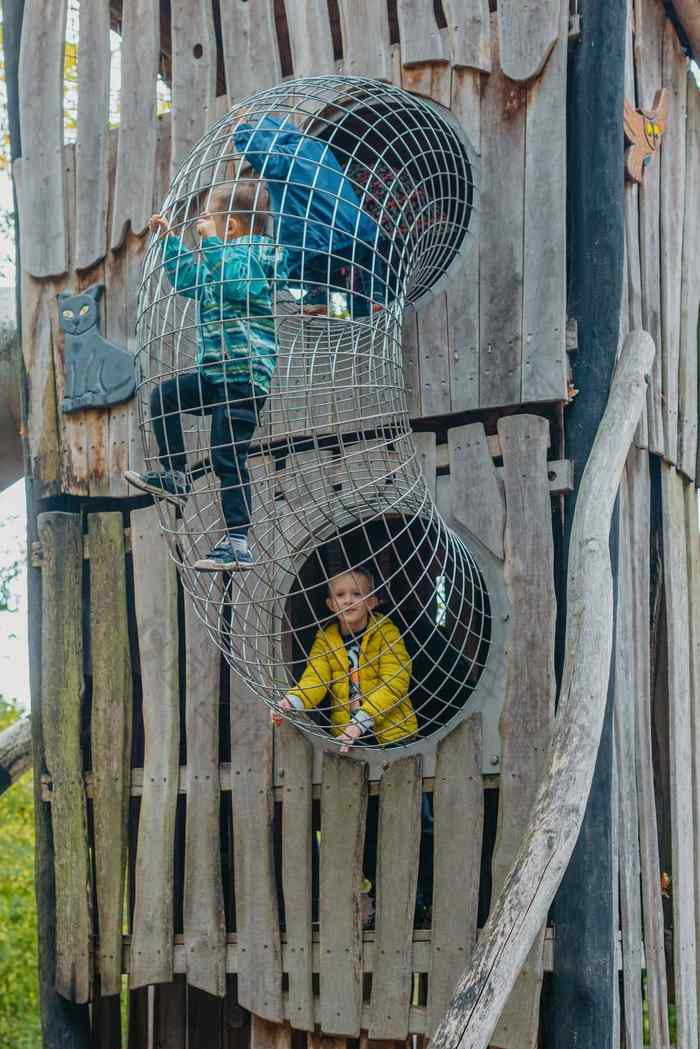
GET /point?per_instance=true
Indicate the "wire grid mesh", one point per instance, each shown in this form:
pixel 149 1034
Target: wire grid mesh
pixel 366 194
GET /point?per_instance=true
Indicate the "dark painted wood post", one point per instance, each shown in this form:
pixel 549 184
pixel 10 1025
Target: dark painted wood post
pixel 64 1024
pixel 582 1000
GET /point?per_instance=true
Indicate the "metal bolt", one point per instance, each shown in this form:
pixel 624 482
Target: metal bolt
pixel 495 760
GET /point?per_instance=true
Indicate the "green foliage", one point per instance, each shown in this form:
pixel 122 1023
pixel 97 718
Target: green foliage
pixel 19 1011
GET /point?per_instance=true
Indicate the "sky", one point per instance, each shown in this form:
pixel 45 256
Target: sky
pixel 14 654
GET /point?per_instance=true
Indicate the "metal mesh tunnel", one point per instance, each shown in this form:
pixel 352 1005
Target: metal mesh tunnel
pixel 271 385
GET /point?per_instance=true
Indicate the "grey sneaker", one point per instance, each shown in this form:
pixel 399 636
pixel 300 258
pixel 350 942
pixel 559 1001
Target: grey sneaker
pixel 229 555
pixel 171 485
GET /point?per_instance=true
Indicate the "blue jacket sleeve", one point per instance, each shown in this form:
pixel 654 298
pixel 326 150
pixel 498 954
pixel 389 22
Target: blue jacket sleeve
pixel 269 145
pixel 181 268
pixel 240 274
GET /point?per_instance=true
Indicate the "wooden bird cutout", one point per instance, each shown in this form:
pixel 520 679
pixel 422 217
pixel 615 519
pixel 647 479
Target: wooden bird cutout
pixel 643 131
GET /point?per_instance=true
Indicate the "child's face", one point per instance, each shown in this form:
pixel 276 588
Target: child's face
pixel 351 601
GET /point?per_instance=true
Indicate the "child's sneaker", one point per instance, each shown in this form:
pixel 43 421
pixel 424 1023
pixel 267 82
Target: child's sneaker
pixel 231 554
pixel 171 484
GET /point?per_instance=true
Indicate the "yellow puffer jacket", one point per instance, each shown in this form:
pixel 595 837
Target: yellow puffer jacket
pixel 385 678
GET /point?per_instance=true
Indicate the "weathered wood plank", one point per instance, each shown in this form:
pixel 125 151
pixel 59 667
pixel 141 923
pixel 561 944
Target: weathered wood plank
pixel 544 266
pixel 170 1015
pixel 472 470
pixel 257 922
pixel 251 52
pixel 690 293
pixel 155 598
pixel 310 38
pixel 91 148
pixel 632 250
pixel 528 33
pixel 61 710
pixel 204 921
pixel 110 735
pixel 528 711
pixel 205 1020
pixel 503 111
pixel 672 209
pixel 266 1035
pixel 136 156
pixel 359 23
pixel 43 230
pixel 411 361
pixel 427 456
pixel 296 758
pixel 397 877
pixel 469 33
pixel 434 357
pixel 343 815
pixel 654 949
pixel 693 550
pixel 680 760
pixel 421 39
pixel 194 75
pixel 458 810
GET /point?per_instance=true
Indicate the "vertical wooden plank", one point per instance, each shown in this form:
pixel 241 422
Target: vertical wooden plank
pixel 544 266
pixel 434 357
pixel 672 208
pixel 397 877
pixel 295 758
pixel 155 598
pixel 205 1020
pixel 690 293
pixel 204 922
pixel 528 710
pixel 359 23
pixel 44 236
pixel 91 148
pixel 251 52
pixel 528 33
pixel 469 33
pixel 136 155
pixel 106 1028
pixel 680 759
pixel 426 451
pixel 411 362
pixel 37 351
pixel 503 110
pixel 257 921
pixel 421 39
pixel 61 703
pixel 266 1035
pixel 693 549
pixel 458 810
pixel 472 470
pixel 194 75
pixel 310 38
pixel 110 736
pixel 170 1015
pixel 343 815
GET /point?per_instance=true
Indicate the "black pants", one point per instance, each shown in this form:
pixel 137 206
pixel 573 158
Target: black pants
pixel 234 410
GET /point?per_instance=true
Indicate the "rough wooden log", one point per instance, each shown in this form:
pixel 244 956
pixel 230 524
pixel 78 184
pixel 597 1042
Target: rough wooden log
pixel 689 16
pixel 15 752
pixel 556 817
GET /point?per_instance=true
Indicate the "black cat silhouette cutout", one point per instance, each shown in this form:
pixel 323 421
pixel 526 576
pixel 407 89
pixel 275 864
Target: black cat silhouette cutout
pixel 98 372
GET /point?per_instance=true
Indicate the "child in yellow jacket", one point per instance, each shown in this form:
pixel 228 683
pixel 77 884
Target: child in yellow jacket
pixel 361 660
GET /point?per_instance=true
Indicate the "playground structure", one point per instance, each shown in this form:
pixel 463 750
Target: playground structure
pixel 155 765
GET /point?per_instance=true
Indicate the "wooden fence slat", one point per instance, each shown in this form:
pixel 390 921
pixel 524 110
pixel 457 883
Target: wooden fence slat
pixel 528 33
pixel 359 23
pixel 42 218
pixel 690 293
pixel 469 33
pixel 544 366
pixel 343 815
pixel 91 148
pixel 503 110
pixel 397 877
pixel 680 758
pixel 155 598
pixel 204 921
pixel 693 549
pixel 654 949
pixel 194 75
pixel 472 469
pixel 257 921
pixel 110 736
pixel 251 51
pixel 458 810
pixel 627 807
pixel 310 38
pixel 205 1020
pixel 170 1015
pixel 267 1035
pixel 411 361
pixel 528 710
pixel 434 357
pixel 136 156
pixel 427 456
pixel 61 702
pixel 296 758
pixel 672 207
pixel 421 39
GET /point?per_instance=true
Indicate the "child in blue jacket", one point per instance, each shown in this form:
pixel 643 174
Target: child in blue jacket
pixel 319 217
pixel 232 278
